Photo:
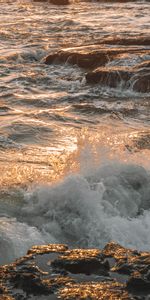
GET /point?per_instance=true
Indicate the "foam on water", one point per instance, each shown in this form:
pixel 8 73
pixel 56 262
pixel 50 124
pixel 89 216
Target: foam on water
pixel 111 203
pixel 16 238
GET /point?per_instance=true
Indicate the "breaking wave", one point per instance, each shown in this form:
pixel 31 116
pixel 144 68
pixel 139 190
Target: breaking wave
pixel 110 203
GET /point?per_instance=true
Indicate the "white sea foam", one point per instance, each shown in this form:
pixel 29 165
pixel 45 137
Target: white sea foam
pixel 111 203
pixel 16 238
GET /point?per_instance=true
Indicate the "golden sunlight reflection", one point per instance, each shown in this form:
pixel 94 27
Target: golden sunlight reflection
pixel 79 254
pixel 96 291
pixel 114 143
pixel 39 94
pixel 31 168
pixel 80 150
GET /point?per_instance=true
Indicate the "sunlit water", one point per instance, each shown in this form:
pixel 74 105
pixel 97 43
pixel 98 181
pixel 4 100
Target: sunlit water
pixel 54 125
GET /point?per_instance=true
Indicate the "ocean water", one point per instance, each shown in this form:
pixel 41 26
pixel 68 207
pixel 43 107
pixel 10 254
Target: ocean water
pixel 74 156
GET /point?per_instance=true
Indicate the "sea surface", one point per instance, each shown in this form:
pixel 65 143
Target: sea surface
pixel 74 156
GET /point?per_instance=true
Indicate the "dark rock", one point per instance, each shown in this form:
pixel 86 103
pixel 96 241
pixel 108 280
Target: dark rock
pixel 138 284
pixel 83 60
pixel 137 77
pixel 133 263
pixel 123 268
pixel 142 84
pixel 119 252
pixel 95 291
pixel 30 283
pixel 95 59
pixel 59 2
pixel 142 77
pixel 83 261
pixel 91 56
pixel 55 2
pixel 128 41
pixel 110 76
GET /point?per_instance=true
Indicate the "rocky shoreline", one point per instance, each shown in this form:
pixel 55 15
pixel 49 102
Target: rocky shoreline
pixel 56 272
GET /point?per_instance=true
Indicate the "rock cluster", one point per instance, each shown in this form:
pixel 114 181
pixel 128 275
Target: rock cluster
pixel 105 62
pixel 56 272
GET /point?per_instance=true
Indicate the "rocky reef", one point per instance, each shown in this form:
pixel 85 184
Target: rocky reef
pixel 55 272
pixel 108 62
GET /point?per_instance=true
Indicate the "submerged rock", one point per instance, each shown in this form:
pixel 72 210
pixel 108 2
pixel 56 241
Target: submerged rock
pixel 137 77
pixel 83 261
pixel 142 84
pixel 54 272
pixel 90 56
pixel 111 76
pixel 87 59
pixel 59 2
pixel 128 41
pixel 111 64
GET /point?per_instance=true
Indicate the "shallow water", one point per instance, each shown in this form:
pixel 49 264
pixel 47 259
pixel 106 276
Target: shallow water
pixel 54 125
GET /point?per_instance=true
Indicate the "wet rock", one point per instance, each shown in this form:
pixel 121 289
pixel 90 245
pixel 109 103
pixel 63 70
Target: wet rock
pixel 142 84
pixel 55 2
pixel 59 2
pixel 90 56
pixel 118 252
pixel 31 284
pixel 110 76
pixel 43 249
pixel 35 284
pixel 54 272
pixel 133 263
pixel 97 58
pixel 136 77
pixel 95 291
pixel 142 77
pixel 138 284
pixel 83 60
pixel 110 66
pixel 83 261
pixel 128 41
